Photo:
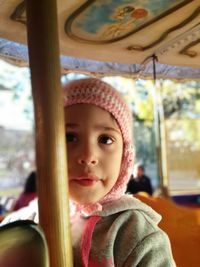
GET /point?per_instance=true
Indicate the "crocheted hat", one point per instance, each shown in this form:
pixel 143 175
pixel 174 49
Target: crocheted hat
pixel 96 92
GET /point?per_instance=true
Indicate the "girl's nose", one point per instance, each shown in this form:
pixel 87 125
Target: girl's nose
pixel 88 161
pixel 87 157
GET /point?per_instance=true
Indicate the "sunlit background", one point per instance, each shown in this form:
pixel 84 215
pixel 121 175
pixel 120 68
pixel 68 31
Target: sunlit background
pixel 181 111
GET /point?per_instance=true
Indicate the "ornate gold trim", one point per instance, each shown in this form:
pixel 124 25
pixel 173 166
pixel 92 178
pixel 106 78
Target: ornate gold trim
pixel 166 33
pixel 17 13
pixel 187 52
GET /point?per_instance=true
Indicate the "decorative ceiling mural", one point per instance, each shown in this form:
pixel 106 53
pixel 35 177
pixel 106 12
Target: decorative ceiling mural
pixel 109 21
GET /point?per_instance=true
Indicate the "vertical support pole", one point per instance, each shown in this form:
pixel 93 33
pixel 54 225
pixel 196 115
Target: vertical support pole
pixel 165 179
pixel 50 130
pixel 157 125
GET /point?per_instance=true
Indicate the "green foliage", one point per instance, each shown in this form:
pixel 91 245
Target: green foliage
pixel 181 99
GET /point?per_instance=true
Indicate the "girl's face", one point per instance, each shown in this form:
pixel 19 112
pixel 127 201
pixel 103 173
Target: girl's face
pixel 95 147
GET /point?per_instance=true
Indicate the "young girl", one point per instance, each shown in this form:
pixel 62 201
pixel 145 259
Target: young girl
pixel 108 227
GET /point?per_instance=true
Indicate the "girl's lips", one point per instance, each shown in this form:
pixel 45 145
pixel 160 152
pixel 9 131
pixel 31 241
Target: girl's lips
pixel 86 180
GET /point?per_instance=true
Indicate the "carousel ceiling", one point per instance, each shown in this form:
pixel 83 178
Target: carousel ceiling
pixel 115 37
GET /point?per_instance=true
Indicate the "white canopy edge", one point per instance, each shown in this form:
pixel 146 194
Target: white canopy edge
pixel 17 54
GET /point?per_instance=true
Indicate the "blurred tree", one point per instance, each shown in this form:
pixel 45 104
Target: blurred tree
pixel 181 99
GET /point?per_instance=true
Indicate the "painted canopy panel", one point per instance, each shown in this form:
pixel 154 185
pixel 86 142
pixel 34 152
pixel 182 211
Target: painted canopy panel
pixel 123 33
pixel 109 21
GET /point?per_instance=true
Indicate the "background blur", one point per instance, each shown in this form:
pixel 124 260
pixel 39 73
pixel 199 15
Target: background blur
pixel 181 112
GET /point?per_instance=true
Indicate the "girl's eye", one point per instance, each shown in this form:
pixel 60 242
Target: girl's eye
pixel 71 137
pixel 105 139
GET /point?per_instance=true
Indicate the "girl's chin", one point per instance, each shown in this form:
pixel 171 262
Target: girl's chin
pixel 83 201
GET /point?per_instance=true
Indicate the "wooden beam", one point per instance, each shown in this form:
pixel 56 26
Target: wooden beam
pixel 50 131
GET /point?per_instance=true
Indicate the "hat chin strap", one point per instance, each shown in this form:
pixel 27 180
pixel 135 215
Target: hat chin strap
pixel 115 193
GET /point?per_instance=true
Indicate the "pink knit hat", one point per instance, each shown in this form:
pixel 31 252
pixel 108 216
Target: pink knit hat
pixel 96 92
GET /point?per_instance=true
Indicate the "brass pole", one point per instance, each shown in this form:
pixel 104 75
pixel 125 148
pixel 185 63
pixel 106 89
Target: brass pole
pixel 50 132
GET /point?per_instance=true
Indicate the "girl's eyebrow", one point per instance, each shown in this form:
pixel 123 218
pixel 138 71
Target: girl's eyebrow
pixel 71 125
pixel 98 126
pixel 108 128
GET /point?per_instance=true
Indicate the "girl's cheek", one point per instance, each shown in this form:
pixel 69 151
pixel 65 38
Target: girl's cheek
pixel 71 155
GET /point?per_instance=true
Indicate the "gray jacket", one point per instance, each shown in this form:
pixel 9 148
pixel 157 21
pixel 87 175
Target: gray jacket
pixel 124 233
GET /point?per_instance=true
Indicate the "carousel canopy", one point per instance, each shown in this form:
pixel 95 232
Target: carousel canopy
pixel 119 37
